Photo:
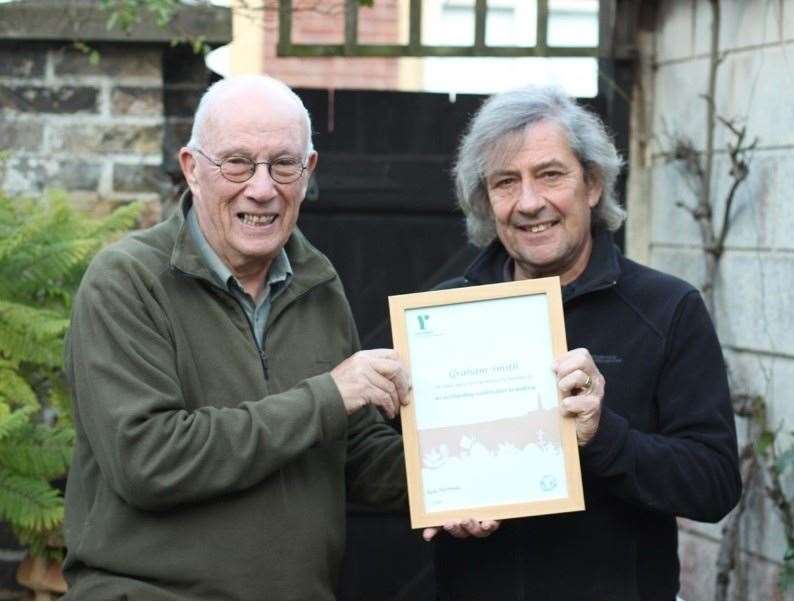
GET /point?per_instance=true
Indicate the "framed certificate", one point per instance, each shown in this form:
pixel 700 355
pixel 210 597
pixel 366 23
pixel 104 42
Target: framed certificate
pixel 483 434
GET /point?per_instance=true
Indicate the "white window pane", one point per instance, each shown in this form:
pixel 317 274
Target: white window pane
pixel 448 22
pixel 577 76
pixel 573 23
pixel 511 23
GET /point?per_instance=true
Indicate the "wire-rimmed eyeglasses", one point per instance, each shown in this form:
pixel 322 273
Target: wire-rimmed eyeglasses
pixel 238 169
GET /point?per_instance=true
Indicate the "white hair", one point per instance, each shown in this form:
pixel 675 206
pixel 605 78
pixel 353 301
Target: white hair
pixel 221 87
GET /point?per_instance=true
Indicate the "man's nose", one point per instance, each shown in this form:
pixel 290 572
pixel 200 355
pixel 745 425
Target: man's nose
pixel 530 199
pixel 261 186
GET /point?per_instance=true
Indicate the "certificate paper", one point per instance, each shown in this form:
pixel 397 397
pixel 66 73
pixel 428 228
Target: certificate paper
pixel 483 435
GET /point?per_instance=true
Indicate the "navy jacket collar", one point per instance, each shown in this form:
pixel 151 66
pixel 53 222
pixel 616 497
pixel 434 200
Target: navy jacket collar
pixel 602 271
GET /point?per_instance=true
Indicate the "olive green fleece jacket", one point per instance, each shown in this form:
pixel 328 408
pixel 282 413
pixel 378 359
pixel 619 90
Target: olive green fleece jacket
pixel 206 468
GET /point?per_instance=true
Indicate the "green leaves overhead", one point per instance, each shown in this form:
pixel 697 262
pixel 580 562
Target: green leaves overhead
pixel 125 14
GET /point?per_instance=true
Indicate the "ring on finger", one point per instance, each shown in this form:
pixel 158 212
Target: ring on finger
pixel 588 383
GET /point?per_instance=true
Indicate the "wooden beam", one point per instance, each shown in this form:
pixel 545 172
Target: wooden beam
pixel 480 15
pixel 541 39
pixel 395 50
pixel 284 27
pixel 351 26
pixel 415 31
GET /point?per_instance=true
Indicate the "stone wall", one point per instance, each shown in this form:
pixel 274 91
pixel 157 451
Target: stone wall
pixel 753 314
pixel 102 120
pixel 94 129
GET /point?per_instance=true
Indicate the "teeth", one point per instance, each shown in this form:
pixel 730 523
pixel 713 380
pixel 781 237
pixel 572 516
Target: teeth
pixel 539 227
pixel 257 220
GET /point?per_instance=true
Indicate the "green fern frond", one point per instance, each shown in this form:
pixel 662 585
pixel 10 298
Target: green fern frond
pixel 13 421
pixel 61 401
pixel 31 334
pixel 15 390
pixel 121 220
pixel 46 543
pixel 43 266
pixel 45 246
pixel 37 225
pixel 29 503
pixel 37 451
pixel 38 323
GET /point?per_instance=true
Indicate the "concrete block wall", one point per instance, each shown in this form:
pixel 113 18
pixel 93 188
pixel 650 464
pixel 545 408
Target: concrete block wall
pixel 753 291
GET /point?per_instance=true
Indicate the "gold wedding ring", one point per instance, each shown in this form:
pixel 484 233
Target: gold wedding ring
pixel 587 383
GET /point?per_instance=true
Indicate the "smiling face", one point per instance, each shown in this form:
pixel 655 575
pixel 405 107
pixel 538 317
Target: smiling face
pixel 248 223
pixel 541 202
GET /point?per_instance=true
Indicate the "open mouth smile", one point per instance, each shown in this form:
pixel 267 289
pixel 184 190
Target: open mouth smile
pixel 536 228
pixel 251 219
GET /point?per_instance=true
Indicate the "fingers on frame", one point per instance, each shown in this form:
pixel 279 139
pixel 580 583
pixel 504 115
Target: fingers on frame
pixel 383 393
pixel 576 380
pixel 576 359
pixel 393 370
pixel 387 354
pixel 579 404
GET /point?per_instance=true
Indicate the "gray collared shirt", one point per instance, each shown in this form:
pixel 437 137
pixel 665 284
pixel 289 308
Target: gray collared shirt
pixel 278 276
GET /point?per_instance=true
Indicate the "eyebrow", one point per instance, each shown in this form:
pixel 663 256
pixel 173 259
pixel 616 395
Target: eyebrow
pixel 539 167
pixel 237 151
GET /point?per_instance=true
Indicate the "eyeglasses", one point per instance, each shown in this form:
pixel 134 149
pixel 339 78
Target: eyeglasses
pixel 284 170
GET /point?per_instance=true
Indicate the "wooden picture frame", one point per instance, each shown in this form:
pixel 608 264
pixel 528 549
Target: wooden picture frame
pixel 483 434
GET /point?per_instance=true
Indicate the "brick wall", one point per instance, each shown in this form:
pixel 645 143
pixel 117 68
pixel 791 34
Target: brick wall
pixel 377 25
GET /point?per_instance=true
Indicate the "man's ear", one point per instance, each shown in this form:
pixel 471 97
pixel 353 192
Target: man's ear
pixel 311 164
pixel 187 162
pixel 311 161
pixel 595 187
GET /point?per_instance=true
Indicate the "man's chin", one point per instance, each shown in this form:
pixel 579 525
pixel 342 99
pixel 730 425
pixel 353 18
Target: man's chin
pixel 538 267
pixel 258 253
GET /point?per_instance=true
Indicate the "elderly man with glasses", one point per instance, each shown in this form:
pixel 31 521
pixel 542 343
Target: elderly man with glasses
pixel 222 406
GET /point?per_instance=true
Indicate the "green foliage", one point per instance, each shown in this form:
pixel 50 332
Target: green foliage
pixel 786 459
pixel 787 572
pixel 45 246
pixel 126 14
pixel 786 581
pixel 765 441
pixel 91 53
pixel 778 463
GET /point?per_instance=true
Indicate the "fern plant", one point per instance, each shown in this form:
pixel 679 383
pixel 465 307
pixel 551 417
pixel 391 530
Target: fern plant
pixel 45 245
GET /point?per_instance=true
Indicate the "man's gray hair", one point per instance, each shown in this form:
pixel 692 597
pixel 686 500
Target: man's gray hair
pixel 224 85
pixel 510 113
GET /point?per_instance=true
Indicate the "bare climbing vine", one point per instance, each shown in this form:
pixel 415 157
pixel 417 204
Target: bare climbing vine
pixel 763 464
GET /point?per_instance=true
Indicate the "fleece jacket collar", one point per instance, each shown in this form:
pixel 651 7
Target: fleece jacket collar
pixel 310 267
pixel 602 271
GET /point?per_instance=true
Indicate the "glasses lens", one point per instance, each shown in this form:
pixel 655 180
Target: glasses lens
pixel 285 170
pixel 237 169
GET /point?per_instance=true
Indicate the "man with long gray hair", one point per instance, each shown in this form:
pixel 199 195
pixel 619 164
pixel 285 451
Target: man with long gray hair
pixel 645 381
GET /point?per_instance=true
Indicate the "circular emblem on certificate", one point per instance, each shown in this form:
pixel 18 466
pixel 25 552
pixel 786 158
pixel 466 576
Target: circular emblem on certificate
pixel 548 482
